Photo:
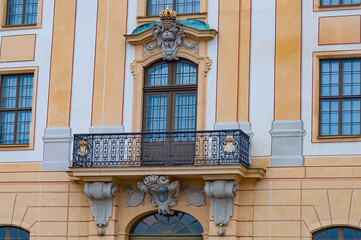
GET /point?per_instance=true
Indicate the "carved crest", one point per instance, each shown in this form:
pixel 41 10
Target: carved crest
pixel 82 150
pixel 162 192
pixel 169 36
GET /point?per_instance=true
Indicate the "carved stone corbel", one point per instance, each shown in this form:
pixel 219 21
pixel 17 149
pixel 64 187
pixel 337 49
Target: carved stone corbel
pixel 101 195
pixel 221 193
pixel 208 66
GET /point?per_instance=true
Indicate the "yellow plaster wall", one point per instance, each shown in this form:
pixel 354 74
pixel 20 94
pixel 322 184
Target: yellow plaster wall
pixel 287 203
pixel 288 60
pixel 110 56
pixel 228 61
pixel 244 61
pixel 339 30
pixel 233 61
pixel 17 48
pixel 61 69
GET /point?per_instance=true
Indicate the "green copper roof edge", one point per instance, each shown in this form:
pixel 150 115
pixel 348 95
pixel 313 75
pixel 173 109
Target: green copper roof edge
pixel 192 23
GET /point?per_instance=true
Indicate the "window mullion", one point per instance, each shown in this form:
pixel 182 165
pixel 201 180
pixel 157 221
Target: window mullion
pixel 340 87
pixel 174 5
pixel 23 14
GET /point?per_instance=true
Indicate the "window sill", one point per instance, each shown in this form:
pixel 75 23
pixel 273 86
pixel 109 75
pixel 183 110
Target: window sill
pixel 338 7
pixel 19 27
pixel 338 138
pixel 13 145
pixel 148 19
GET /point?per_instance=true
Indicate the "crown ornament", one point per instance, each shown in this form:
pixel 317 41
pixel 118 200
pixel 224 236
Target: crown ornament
pixel 168 16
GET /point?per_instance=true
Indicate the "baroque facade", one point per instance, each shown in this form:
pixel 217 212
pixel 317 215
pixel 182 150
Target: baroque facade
pixel 180 119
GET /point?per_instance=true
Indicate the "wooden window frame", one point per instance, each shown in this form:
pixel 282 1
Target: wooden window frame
pixel 23 16
pixel 170 90
pixel 340 231
pixel 340 97
pixel 174 7
pixel 16 109
pixel 339 5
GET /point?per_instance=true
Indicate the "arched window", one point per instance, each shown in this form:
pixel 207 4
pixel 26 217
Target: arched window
pixel 154 7
pixel 13 233
pixel 170 97
pixel 338 233
pixel 177 226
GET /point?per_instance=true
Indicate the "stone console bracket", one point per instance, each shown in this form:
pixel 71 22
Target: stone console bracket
pixel 101 195
pixel 221 193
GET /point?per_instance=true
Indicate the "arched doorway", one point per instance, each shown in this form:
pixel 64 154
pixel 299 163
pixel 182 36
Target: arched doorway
pixel 173 227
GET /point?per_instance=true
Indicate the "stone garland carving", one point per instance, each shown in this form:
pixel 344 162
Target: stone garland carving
pixel 221 193
pixel 133 69
pixel 162 192
pixel 195 196
pixel 169 36
pixel 135 197
pixel 101 195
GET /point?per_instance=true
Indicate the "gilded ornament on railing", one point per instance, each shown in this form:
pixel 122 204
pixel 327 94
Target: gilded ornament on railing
pixel 229 147
pixel 82 150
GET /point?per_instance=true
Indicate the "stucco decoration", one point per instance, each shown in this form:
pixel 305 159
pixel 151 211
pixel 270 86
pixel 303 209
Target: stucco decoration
pixel 135 197
pixel 169 35
pixel 221 193
pixel 161 191
pixel 101 195
pixel 195 196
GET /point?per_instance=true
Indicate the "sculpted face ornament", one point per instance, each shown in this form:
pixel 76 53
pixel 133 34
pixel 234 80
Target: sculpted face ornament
pixel 169 36
pixel 162 192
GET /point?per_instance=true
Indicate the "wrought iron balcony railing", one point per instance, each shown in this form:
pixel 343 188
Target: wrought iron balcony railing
pixel 161 149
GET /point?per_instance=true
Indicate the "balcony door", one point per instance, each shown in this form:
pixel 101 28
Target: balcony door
pixel 170 100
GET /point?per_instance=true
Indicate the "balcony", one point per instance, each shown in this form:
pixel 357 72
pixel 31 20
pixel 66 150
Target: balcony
pixel 166 149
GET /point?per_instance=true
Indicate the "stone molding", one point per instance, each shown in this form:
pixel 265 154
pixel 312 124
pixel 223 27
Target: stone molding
pixel 195 196
pixel 162 192
pixel 57 149
pixel 287 143
pixel 101 195
pixel 221 193
pixel 135 197
pixel 106 129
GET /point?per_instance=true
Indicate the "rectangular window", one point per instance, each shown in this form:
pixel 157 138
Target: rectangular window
pixel 21 12
pixel 16 98
pixel 340 97
pixel 339 2
pixel 154 7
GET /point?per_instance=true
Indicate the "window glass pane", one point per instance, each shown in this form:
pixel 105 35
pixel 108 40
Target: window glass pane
pixel 14 12
pixel 332 234
pixel 179 223
pixel 8 91
pixel 351 77
pixel 187 6
pixel 349 234
pixel 186 74
pixel 23 127
pixel 158 75
pixel 351 117
pixel 154 7
pixel 26 91
pixel 329 117
pixel 329 78
pixel 2 233
pixel 185 112
pixel 7 125
pixel 156 113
